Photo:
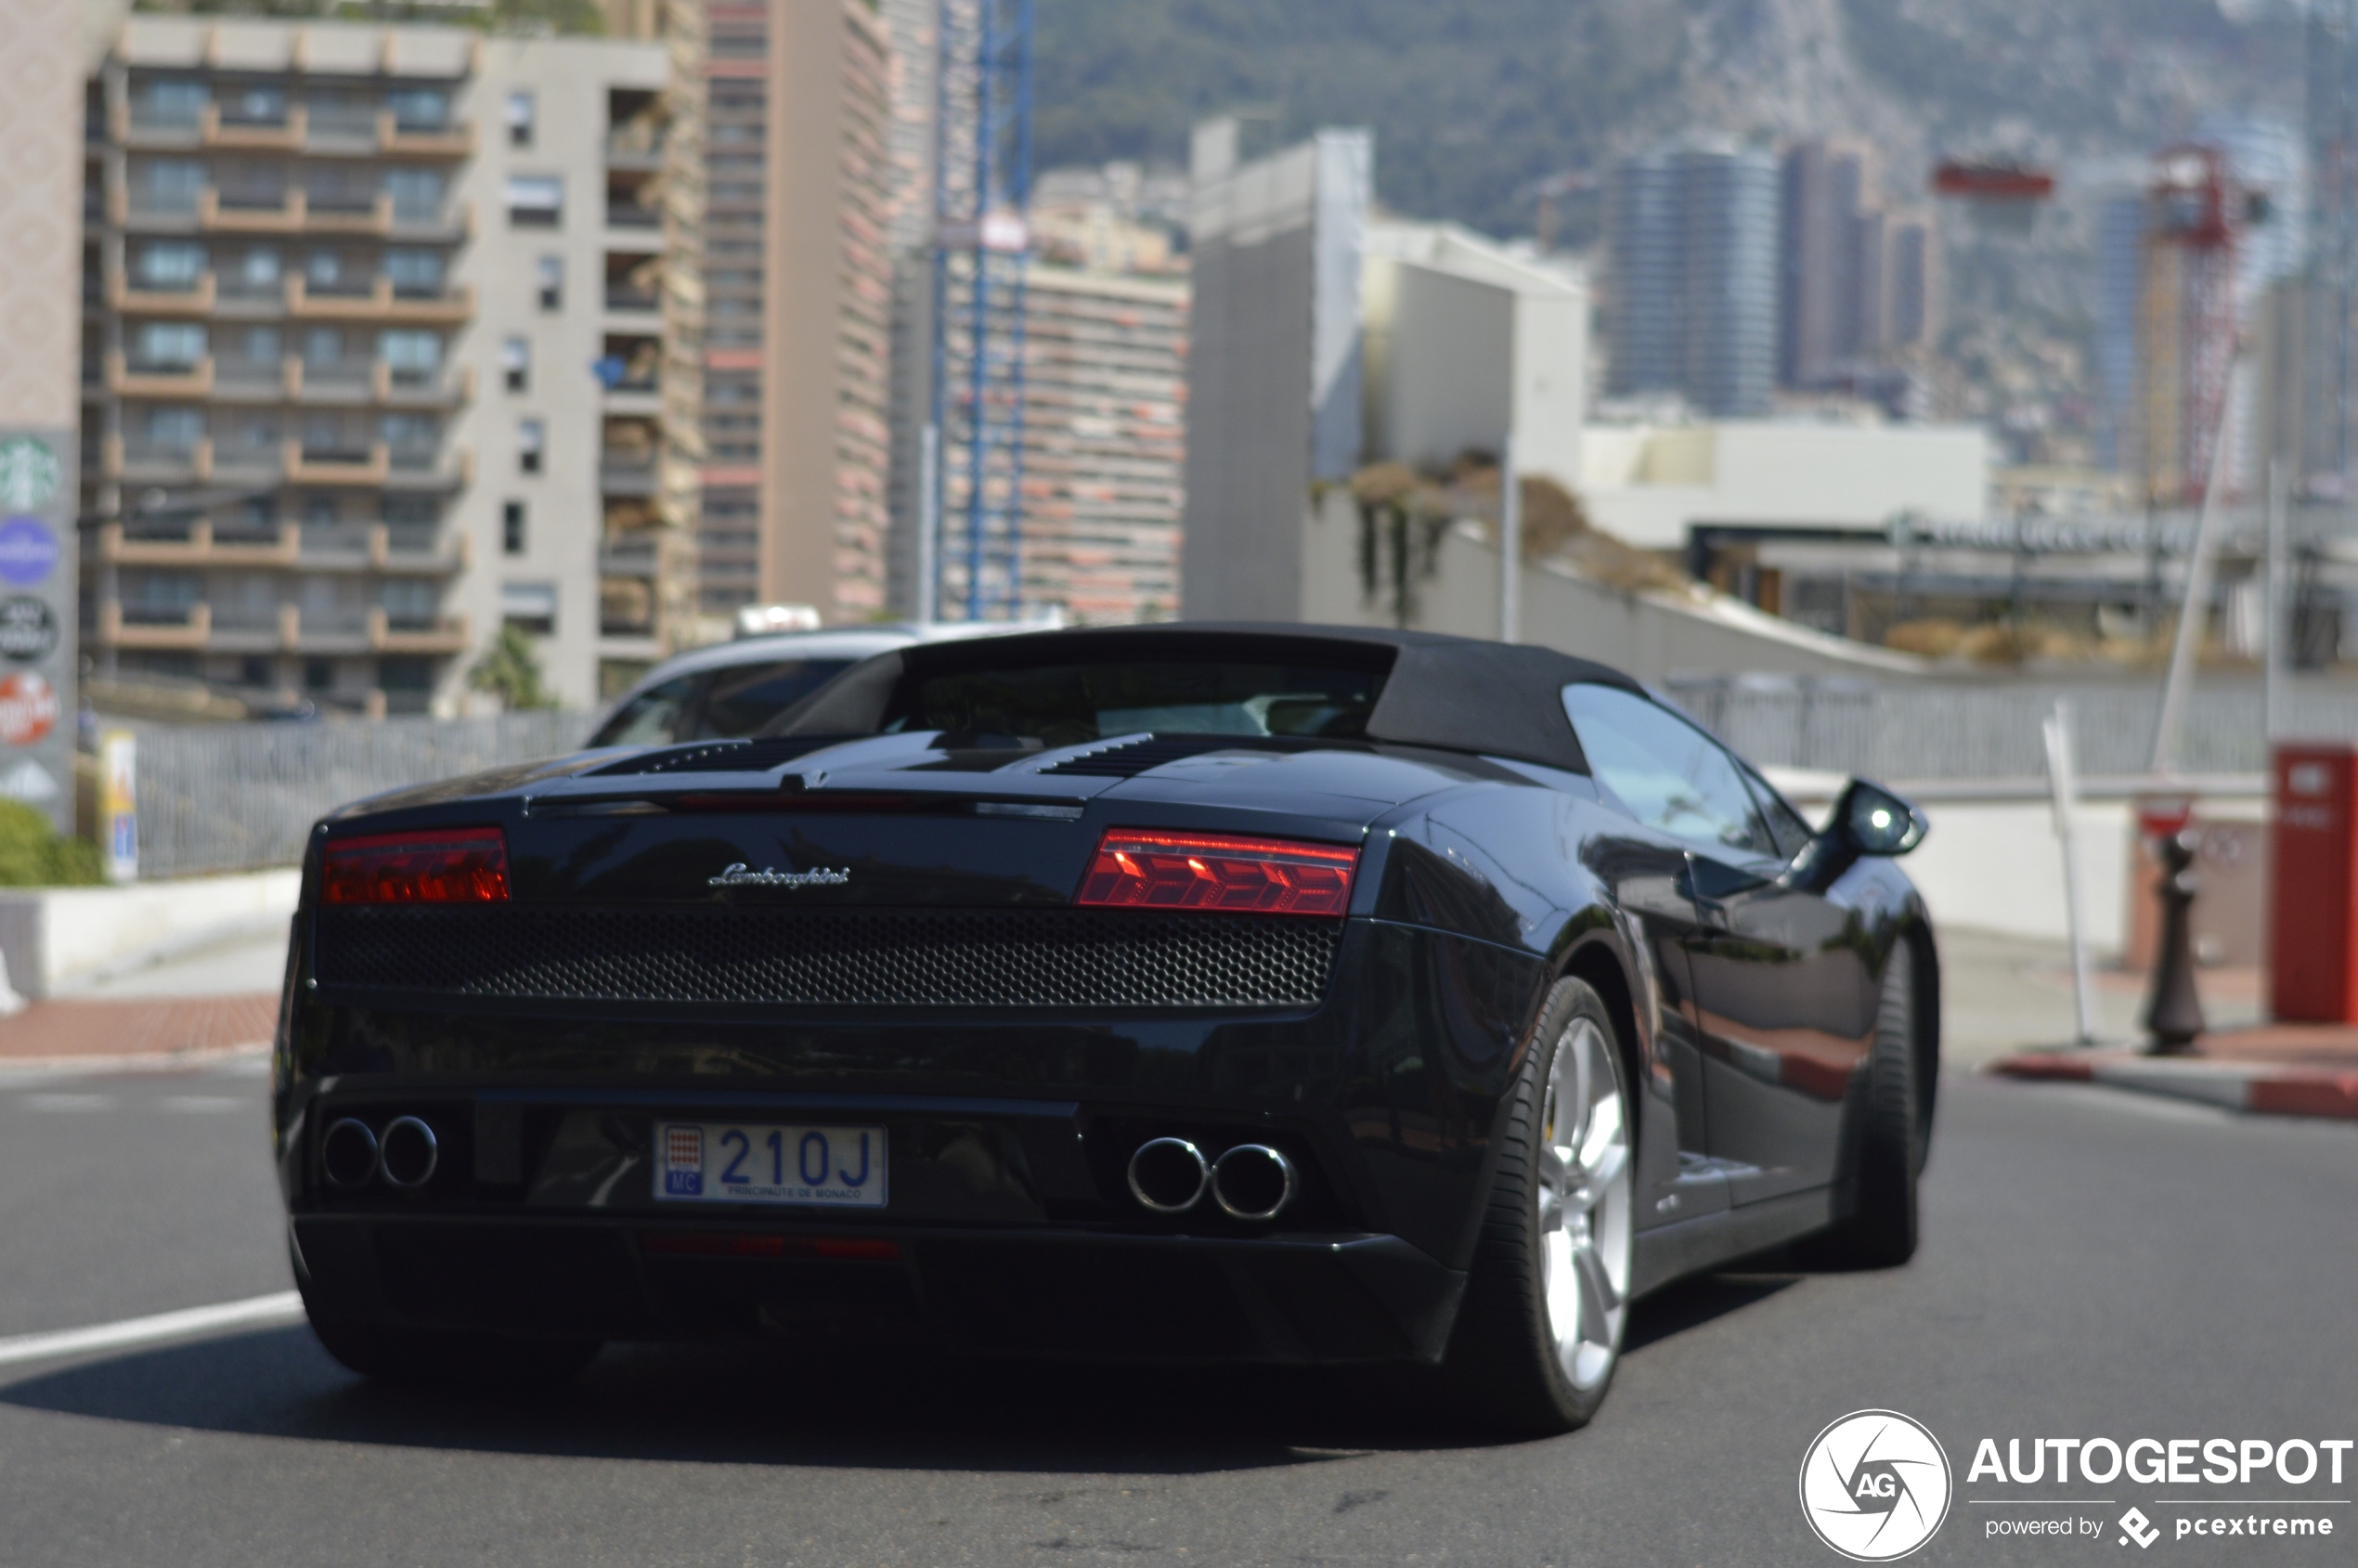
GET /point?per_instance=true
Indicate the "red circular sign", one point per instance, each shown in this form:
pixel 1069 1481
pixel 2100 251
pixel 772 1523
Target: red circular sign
pixel 27 708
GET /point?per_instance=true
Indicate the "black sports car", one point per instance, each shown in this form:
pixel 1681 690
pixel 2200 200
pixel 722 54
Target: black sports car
pixel 1269 993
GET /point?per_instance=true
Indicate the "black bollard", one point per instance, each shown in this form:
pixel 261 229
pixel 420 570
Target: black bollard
pixel 2173 1013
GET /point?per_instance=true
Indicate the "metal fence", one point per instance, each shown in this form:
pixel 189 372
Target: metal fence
pixel 1936 730
pixel 239 796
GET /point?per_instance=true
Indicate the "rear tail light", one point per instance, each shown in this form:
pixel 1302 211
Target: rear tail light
pixel 442 866
pixel 1141 870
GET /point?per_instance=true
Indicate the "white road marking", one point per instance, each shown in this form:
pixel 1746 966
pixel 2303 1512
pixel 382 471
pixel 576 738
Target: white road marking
pixel 68 1102
pixel 285 1306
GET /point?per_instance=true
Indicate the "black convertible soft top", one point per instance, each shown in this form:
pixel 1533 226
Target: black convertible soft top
pixel 1458 694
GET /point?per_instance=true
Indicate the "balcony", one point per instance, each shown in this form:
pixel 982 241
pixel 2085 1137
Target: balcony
pixel 623 297
pixel 379 301
pixel 192 298
pixel 193 544
pixel 433 634
pixel 626 473
pixel 639 145
pixel 416 139
pixel 448 224
pixel 163 379
pixel 250 380
pixel 249 629
pixel 624 213
pixel 164 462
pixel 281 130
pixel 337 465
pixel 328 547
pixel 332 380
pixel 444 388
pixel 415 469
pixel 628 558
pixel 347 211
pixel 418 548
pixel 333 126
pixel 331 630
pixel 150 626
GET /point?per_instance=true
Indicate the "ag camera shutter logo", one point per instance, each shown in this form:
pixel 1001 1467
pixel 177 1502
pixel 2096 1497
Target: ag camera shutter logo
pixel 1875 1486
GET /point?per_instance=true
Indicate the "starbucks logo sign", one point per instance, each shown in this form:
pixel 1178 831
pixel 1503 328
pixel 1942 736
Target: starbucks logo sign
pixel 28 472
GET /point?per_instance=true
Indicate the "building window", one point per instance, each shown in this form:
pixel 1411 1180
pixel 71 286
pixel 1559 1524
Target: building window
pixel 417 194
pixel 520 117
pixel 532 438
pixel 552 282
pixel 168 345
pixel 412 356
pixel 170 266
pixel 515 362
pixel 318 675
pixel 262 266
pixel 529 607
pixel 535 201
pixel 512 538
pixel 415 274
pixel 419 109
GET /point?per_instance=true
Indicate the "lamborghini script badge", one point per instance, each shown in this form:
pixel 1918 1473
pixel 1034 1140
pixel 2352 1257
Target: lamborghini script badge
pixel 738 876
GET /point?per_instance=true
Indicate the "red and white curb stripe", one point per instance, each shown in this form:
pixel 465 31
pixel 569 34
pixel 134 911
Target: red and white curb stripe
pixel 2269 1088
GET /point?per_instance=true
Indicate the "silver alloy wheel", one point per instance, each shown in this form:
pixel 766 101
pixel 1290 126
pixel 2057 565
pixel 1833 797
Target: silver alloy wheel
pixel 1585 1200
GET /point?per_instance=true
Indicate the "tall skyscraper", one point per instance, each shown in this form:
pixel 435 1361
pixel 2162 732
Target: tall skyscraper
pixel 802 192
pixel 1694 275
pixel 1859 283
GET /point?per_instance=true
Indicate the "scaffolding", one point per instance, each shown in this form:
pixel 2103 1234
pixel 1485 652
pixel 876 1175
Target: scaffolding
pixel 982 190
pixel 2188 331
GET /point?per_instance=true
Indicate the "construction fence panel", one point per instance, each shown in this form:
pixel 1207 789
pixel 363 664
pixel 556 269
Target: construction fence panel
pixel 217 797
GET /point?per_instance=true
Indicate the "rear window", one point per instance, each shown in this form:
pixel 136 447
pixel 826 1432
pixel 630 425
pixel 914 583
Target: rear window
pixel 1069 704
pixel 744 697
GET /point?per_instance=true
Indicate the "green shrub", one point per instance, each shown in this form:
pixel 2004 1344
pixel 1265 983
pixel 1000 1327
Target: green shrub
pixel 31 855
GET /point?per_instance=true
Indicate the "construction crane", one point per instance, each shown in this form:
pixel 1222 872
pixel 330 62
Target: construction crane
pixel 2002 196
pixel 2194 215
pixel 973 513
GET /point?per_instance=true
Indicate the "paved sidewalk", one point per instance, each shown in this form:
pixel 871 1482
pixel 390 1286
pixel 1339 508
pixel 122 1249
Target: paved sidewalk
pixel 86 1030
pixel 2246 1072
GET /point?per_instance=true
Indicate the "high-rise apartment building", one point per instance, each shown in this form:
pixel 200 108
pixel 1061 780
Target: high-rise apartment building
pixel 1859 283
pixel 1694 278
pixel 379 357
pixel 802 188
pixel 1105 391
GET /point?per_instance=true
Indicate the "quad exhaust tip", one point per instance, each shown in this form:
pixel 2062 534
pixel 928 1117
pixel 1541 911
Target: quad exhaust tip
pixel 1169 1176
pixel 1251 1182
pixel 407 1152
pixel 348 1153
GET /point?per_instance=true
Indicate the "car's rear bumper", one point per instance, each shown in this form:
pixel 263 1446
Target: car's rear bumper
pixel 1289 1297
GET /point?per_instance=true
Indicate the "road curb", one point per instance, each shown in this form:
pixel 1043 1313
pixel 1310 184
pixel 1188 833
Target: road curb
pixel 2262 1088
pixel 146 1062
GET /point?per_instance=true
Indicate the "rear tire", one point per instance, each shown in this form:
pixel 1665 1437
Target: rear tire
pixel 1881 1230
pixel 447 1358
pixel 1540 1333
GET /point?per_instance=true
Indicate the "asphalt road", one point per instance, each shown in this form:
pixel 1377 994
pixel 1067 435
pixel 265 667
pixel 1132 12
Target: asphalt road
pixel 2093 1264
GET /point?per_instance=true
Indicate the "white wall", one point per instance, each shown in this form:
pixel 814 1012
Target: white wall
pixel 569 79
pixel 1649 486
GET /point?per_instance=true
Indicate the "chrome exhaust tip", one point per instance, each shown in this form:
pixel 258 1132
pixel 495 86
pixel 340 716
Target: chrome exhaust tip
pixel 407 1152
pixel 1169 1176
pixel 348 1153
pixel 1253 1182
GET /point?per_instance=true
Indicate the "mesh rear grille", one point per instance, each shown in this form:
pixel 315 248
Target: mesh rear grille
pixel 1055 958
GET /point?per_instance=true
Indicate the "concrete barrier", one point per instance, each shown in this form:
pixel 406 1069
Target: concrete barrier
pixel 57 937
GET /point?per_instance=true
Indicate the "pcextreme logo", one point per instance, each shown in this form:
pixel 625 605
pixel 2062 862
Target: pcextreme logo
pixel 1875 1486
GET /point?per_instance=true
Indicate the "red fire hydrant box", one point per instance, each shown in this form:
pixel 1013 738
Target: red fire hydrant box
pixel 2312 937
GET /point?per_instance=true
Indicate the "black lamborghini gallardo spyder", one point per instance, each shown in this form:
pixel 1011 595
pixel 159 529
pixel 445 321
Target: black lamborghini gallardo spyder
pixel 1195 993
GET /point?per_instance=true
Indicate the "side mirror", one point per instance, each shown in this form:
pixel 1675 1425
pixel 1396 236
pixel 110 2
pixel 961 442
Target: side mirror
pixel 1870 820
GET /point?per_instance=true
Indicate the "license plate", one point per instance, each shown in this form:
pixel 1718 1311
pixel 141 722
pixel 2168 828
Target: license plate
pixel 735 1162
